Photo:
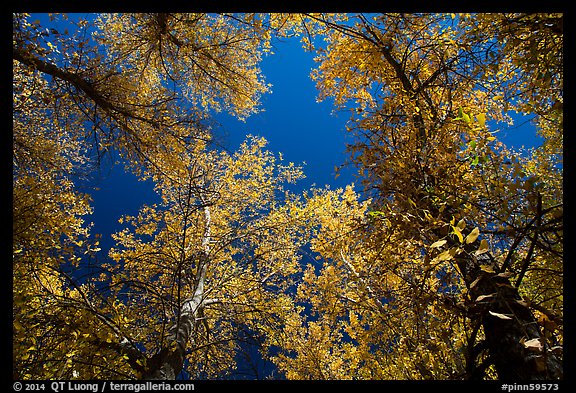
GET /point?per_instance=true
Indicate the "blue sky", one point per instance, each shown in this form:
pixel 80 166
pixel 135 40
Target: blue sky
pixel 294 123
pixel 302 129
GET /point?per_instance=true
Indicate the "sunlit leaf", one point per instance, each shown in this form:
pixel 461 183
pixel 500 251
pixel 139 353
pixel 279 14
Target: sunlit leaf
pixel 438 244
pixel 444 256
pixel 481 117
pixel 461 224
pixel 533 345
pixel 484 297
pixel 141 85
pixel 456 231
pixel 487 269
pixel 482 248
pixel 498 315
pixel 472 236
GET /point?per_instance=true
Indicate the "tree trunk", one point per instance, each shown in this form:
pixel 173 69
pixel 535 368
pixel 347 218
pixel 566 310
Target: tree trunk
pixel 507 322
pixel 169 362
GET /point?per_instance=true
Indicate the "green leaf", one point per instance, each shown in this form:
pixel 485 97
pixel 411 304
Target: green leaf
pixel 475 160
pixel 460 113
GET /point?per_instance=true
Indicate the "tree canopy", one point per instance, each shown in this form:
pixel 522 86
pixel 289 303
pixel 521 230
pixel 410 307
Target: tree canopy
pixel 447 262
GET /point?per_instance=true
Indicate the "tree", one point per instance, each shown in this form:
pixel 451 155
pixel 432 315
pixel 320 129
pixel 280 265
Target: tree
pixel 49 233
pixel 208 264
pixel 79 93
pixel 461 230
pixel 448 267
pixel 144 81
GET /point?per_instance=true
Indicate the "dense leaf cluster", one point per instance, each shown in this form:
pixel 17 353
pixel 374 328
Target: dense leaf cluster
pixel 446 265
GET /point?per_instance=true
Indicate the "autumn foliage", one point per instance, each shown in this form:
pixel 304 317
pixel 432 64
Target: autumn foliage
pixel 446 262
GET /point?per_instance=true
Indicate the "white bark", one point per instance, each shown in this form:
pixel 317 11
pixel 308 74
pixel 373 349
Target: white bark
pixel 168 363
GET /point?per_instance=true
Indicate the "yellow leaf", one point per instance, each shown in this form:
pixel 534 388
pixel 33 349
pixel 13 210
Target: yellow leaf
pixel 444 256
pixel 481 117
pixel 438 244
pixel 482 248
pixel 447 254
pixel 456 231
pixel 472 236
pixel 461 224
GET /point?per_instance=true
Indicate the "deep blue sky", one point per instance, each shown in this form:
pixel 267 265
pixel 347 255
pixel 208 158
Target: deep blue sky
pixel 303 130
pixel 293 122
